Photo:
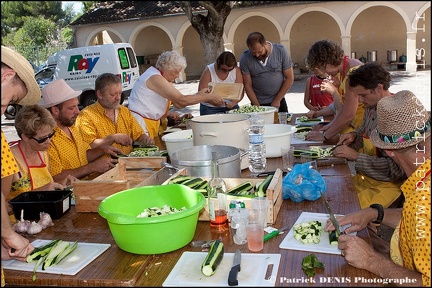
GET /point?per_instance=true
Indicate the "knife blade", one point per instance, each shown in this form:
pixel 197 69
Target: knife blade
pixel 232 277
pixel 331 214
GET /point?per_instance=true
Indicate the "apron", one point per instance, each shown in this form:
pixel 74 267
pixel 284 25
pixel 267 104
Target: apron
pixel 153 125
pixel 369 190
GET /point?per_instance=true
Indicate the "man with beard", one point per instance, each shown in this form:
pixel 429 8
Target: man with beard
pixel 68 153
pixel 267 72
pixel 107 122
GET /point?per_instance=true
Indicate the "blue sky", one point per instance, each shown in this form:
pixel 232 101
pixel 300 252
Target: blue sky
pixel 77 5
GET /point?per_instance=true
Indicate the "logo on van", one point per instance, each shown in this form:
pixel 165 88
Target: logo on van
pixel 78 62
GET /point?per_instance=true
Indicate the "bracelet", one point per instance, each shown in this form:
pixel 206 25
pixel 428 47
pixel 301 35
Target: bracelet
pixel 325 138
pixel 380 209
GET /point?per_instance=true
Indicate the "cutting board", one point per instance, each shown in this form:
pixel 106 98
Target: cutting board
pixel 324 246
pixel 230 91
pixel 187 271
pixel 309 123
pixel 71 265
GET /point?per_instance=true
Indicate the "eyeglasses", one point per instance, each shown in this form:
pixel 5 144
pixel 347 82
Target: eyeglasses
pixel 42 140
pixel 226 70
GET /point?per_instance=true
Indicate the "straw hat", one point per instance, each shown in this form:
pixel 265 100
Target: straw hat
pixel 56 92
pixel 25 71
pixel 402 121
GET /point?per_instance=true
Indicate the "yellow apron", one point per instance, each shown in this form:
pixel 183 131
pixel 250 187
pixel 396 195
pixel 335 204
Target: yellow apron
pixel 370 191
pixel 395 253
pixel 153 125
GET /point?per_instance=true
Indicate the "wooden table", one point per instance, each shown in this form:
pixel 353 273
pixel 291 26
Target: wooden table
pixel 118 268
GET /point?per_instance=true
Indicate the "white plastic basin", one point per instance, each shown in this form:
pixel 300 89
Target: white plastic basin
pixel 277 136
pixel 178 140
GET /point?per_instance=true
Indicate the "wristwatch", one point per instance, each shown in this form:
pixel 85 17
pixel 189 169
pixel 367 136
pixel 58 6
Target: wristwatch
pixel 325 138
pixel 380 209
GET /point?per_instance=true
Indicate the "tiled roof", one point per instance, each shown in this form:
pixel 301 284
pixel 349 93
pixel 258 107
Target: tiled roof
pixel 120 11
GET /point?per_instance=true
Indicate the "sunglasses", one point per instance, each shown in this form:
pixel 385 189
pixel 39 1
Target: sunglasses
pixel 226 70
pixel 42 140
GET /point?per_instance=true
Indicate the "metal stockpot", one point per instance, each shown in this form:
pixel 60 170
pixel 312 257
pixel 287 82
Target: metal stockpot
pixel 222 129
pixel 391 55
pixel 371 56
pixel 197 160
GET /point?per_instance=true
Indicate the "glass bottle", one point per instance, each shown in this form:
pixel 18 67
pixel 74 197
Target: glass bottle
pixel 217 209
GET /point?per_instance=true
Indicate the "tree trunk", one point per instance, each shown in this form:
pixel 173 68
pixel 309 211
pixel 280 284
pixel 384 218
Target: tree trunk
pixel 210 26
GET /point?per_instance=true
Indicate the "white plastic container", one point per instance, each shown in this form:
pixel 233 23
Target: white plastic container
pixel 178 140
pixel 268 115
pixel 277 136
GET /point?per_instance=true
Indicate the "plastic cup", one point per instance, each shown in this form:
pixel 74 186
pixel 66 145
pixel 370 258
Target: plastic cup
pixel 308 158
pixel 255 231
pixel 260 207
pixel 282 117
pixel 288 158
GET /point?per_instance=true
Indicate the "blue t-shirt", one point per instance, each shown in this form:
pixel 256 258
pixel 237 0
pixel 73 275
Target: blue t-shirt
pixel 266 80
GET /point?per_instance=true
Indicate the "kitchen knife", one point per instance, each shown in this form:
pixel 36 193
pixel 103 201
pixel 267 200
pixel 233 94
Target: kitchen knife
pixel 331 214
pixel 272 234
pixel 232 277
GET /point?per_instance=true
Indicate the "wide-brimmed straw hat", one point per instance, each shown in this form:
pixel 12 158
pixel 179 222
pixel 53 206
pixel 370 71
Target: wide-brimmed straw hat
pixel 25 71
pixel 402 121
pixel 56 92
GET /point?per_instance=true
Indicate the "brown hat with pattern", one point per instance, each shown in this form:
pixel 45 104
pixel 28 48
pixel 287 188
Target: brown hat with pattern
pixel 25 72
pixel 402 121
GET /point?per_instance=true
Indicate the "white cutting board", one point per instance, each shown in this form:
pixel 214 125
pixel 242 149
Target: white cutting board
pixel 71 265
pixel 187 271
pixel 324 246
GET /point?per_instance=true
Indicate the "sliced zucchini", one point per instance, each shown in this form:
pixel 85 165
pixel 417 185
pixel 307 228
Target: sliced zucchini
pixel 213 258
pixel 333 237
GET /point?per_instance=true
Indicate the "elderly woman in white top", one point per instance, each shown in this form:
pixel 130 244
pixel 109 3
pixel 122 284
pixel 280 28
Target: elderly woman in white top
pixel 224 70
pixel 154 92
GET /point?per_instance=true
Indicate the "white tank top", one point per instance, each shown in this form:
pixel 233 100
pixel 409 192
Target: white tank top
pixel 232 76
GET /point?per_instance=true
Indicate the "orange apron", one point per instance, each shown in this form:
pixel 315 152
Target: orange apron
pixel 369 190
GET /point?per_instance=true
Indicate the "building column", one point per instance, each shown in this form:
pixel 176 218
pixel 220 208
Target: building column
pixel 411 65
pixel 229 47
pixel 346 45
pixel 286 43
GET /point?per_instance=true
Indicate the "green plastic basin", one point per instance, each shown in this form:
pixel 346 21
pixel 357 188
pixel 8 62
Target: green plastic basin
pixel 154 235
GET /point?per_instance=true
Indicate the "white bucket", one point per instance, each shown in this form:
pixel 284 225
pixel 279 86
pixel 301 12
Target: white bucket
pixel 178 140
pixel 277 136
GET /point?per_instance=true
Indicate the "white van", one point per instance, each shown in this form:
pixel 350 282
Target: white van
pixel 80 67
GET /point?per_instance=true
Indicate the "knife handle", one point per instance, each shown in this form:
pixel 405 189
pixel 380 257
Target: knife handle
pixel 270 235
pixel 232 277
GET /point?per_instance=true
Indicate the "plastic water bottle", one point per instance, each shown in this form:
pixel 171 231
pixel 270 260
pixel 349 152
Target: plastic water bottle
pixel 257 150
pixel 238 217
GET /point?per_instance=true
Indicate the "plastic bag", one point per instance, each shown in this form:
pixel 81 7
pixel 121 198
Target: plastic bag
pixel 303 183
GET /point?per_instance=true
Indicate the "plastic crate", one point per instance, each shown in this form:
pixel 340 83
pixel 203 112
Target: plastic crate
pixel 55 203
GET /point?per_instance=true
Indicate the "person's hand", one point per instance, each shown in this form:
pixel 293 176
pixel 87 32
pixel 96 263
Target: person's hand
pixel 315 136
pixel 122 139
pixel 354 221
pixel 230 104
pixel 146 139
pixel 102 165
pixel 347 138
pixel 111 150
pixel 346 152
pixel 175 116
pixel 328 87
pixel 312 114
pixel 357 252
pixel 69 180
pixel 15 246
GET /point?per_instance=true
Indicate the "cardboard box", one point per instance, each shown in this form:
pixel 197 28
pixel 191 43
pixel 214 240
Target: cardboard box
pixel 128 173
pixel 273 193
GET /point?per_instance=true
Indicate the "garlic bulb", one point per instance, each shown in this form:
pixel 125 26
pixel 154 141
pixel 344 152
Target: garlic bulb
pixel 22 225
pixel 45 220
pixel 34 228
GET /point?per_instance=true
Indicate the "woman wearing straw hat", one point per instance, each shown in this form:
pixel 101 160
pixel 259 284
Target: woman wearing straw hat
pixel 17 86
pixel 403 132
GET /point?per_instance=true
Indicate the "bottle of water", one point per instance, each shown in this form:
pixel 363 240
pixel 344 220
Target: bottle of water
pixel 257 151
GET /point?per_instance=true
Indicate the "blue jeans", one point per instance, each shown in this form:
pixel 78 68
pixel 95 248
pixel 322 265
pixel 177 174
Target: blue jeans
pixel 207 110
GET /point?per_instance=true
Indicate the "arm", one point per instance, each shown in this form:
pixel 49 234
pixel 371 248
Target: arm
pixel 204 79
pixel 165 89
pixel 247 81
pixel 119 138
pixel 345 116
pixel 99 166
pixel 306 99
pixel 286 85
pixel 10 239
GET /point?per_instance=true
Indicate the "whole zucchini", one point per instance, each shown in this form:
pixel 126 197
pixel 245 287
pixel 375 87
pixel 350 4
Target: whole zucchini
pixel 213 258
